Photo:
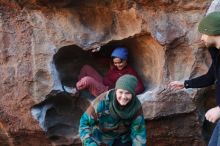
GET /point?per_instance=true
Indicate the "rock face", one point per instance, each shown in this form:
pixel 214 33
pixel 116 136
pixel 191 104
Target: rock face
pixel 175 131
pixel 59 116
pixel 163 44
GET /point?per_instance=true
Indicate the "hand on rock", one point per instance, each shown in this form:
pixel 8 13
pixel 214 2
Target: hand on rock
pixel 176 85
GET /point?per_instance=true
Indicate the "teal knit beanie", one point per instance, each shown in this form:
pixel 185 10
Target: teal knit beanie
pixel 210 24
pixel 127 82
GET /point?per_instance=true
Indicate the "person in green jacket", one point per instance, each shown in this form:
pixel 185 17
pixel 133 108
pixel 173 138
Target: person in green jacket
pixel 115 118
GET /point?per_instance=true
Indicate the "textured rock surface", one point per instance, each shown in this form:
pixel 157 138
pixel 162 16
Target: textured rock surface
pixel 175 131
pixel 59 116
pixel 162 39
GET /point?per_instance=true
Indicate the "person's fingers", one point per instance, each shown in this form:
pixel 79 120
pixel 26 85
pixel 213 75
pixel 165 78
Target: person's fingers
pixel 207 116
pixel 172 84
pixel 174 88
pixel 209 119
pixel 179 88
pixel 175 85
pixel 169 87
pixel 212 120
pixel 79 85
pixel 212 115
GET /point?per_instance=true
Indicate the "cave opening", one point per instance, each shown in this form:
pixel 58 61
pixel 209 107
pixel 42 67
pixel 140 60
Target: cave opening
pixel 68 62
pixel 60 112
pixel 146 56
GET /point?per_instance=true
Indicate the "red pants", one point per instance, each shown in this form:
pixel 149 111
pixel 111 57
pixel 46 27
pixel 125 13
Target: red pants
pixel 90 79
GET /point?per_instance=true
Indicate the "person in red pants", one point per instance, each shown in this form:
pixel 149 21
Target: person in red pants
pixel 90 79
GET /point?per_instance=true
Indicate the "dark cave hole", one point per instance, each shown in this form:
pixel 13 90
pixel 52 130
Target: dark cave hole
pixel 70 59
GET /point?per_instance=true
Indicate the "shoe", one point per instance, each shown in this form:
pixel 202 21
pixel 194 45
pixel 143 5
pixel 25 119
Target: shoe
pixel 71 90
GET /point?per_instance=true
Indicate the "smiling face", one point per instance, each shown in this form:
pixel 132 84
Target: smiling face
pixel 119 63
pixel 123 96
